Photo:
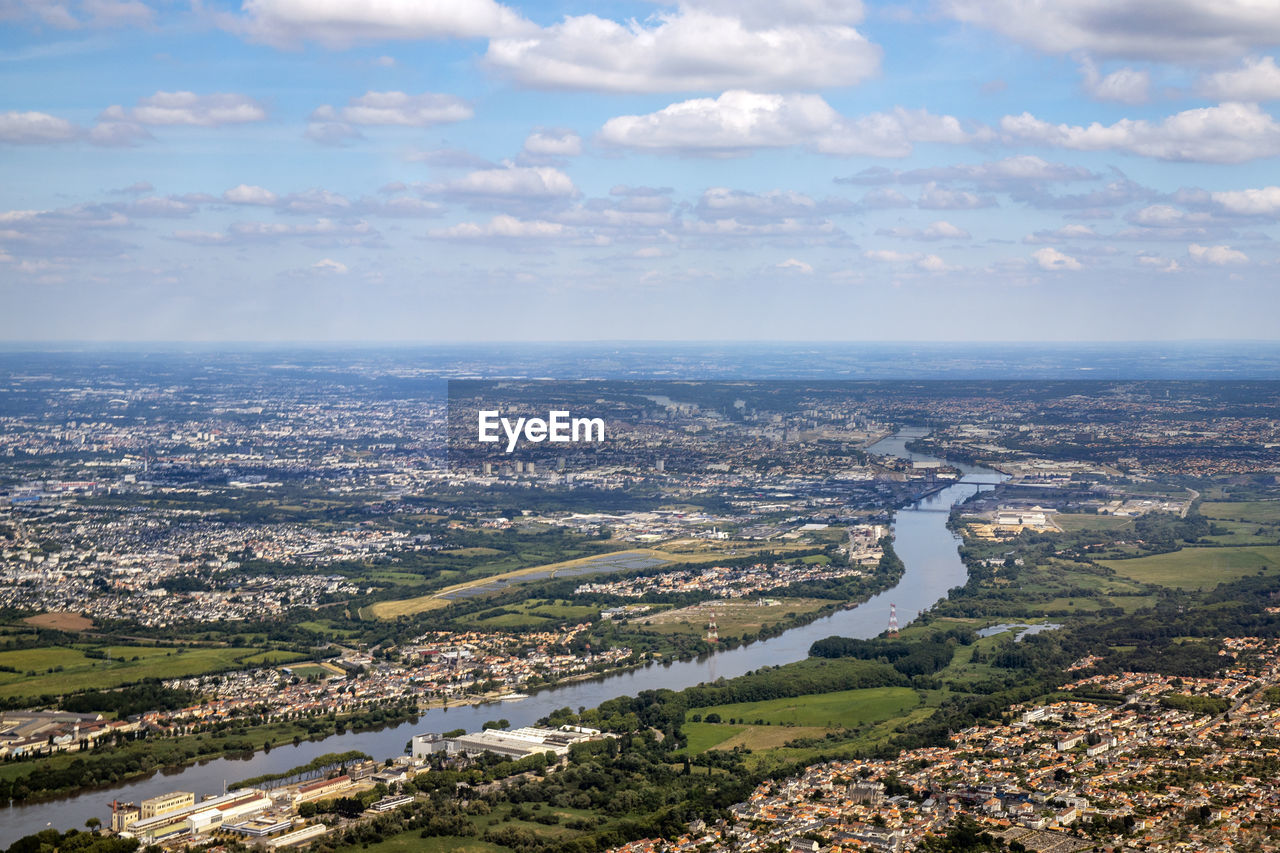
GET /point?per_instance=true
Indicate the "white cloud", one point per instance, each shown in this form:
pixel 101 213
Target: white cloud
pixel 932 263
pixel 272 230
pixel 738 121
pixel 336 133
pixel 201 238
pixel 1126 85
pixel 763 13
pixel 246 194
pixel 630 216
pixel 995 174
pixel 1264 201
pixel 503 227
pixel 1218 256
pixel 943 230
pixel 405 207
pixel 735 121
pixel 315 202
pixel 1161 264
pixel 1257 80
pixel 1171 30
pixel 60 235
pixel 892 134
pixel 328 266
pixel 553 142
pixel 1167 216
pixel 940 230
pixel 321 232
pixel 934 197
pixel 922 262
pixel 885 197
pixel 1116 193
pixel 188 108
pixel 397 108
pixel 690 49
pixel 1073 231
pixel 530 182
pixel 888 256
pixel 794 265
pixel 723 203
pixel 32 128
pixel 1227 133
pixel 89 13
pixel 79 215
pixel 1050 258
pixel 341 23
pixel 118 13
pixel 118 134
pixel 788 232
pixel 53 14
pixel 159 207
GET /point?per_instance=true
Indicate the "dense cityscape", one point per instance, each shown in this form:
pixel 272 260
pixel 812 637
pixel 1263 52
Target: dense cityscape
pixel 292 563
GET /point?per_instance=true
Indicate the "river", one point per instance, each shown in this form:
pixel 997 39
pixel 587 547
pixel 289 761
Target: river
pixel 921 538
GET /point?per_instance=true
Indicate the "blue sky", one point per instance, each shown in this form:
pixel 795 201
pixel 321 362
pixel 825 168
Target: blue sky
pixel 722 169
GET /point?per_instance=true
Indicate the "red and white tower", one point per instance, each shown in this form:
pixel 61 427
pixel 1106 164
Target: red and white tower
pixel 893 620
pixel 713 634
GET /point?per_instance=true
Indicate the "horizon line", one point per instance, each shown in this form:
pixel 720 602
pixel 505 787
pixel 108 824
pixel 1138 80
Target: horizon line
pixel 20 345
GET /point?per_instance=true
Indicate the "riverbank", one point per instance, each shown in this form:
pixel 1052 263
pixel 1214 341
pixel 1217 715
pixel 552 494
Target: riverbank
pixel 63 774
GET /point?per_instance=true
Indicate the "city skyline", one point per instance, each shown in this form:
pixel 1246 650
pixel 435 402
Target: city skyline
pixel 475 171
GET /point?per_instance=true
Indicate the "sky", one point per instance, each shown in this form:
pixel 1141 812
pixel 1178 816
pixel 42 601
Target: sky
pixel 470 170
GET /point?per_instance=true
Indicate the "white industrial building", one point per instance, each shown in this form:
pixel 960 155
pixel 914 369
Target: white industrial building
pixel 199 818
pixel 516 743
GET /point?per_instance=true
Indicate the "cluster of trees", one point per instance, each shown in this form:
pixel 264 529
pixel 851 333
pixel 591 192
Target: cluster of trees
pixel 1190 659
pixel 324 762
pixel 922 656
pixel 150 695
pixel 71 841
pixel 1196 704
pixel 799 679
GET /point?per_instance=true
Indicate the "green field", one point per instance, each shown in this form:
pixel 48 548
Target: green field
pixel 733 618
pixel 78 672
pixel 1258 512
pixel 443 597
pixel 390 577
pixel 306 670
pixel 326 627
pixel 681 551
pixel 847 708
pixel 409 842
pixel 1243 533
pixel 271 657
pixel 1072 522
pixel 770 724
pixel 473 552
pixel 704 736
pixel 532 613
pixel 1197 568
